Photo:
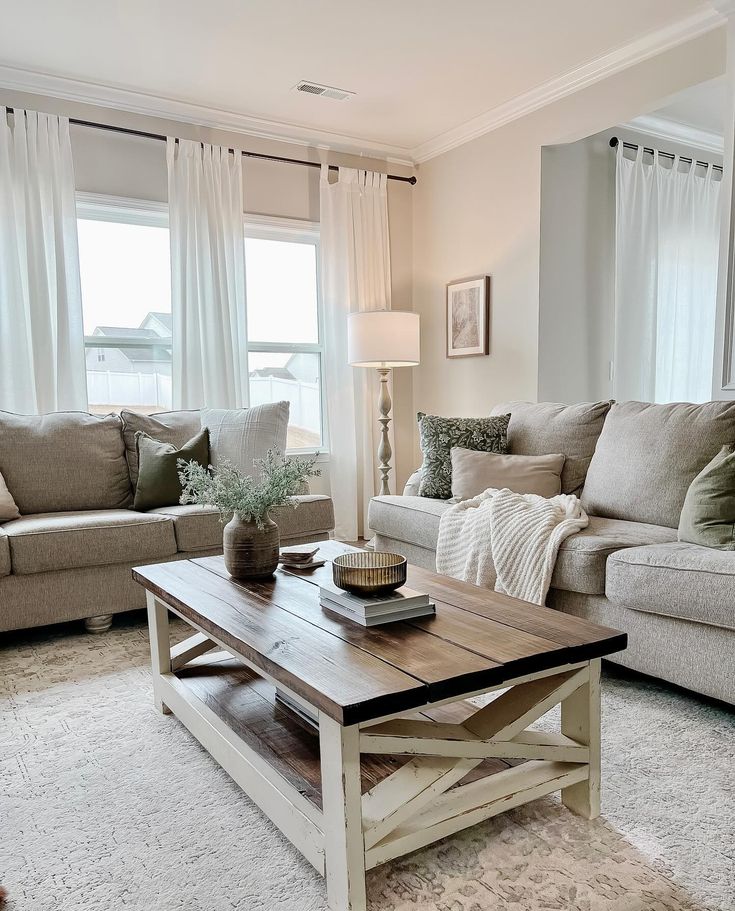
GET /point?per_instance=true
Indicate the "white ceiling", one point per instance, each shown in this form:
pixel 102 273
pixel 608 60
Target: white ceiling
pixel 420 68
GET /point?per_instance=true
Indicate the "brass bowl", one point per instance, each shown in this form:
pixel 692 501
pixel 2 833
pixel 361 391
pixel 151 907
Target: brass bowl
pixel 369 573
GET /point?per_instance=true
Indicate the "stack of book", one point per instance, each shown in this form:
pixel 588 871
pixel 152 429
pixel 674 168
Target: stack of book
pixel 402 604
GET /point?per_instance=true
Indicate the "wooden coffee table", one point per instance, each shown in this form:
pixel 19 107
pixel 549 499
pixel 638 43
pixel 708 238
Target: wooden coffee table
pixel 399 758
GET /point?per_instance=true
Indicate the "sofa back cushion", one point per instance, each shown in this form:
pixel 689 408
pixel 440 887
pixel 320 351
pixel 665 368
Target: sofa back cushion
pixel 546 427
pixel 64 461
pixel 174 427
pixel 648 455
pixel 241 435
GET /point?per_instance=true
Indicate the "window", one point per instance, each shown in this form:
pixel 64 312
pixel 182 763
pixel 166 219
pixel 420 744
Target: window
pixel 284 327
pixel 126 299
pixel 126 302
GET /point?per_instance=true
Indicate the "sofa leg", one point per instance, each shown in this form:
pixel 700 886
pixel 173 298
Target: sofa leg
pixel 99 624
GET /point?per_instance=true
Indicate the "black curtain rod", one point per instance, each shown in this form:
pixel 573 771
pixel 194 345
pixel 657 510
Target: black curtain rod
pixel 161 138
pixel 614 142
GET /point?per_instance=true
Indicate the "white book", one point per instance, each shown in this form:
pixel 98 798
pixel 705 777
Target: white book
pixel 408 613
pixel 402 598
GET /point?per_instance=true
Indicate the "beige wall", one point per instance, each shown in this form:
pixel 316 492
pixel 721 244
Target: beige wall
pixel 120 165
pixel 477 210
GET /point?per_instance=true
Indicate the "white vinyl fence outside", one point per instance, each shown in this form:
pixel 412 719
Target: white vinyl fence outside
pixel 304 399
pixel 110 388
pixel 154 389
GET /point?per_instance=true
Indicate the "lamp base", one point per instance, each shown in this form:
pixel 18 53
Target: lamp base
pixel 384 449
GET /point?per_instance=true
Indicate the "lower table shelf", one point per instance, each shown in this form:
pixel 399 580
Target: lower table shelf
pixel 247 704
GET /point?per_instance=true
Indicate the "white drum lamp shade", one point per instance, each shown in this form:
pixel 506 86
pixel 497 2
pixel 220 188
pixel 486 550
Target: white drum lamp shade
pixel 383 338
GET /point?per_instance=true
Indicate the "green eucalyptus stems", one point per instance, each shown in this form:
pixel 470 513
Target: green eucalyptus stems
pixel 276 482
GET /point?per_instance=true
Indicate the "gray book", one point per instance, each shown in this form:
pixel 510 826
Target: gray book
pixel 390 616
pixel 402 598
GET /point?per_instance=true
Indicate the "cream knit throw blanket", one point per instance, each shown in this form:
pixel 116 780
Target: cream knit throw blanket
pixel 507 541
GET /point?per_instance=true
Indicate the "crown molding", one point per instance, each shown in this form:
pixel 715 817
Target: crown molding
pixel 119 99
pixel 676 131
pixel 580 77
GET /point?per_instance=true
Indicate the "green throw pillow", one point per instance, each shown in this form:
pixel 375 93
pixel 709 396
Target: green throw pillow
pixel 438 435
pixel 708 514
pixel 158 473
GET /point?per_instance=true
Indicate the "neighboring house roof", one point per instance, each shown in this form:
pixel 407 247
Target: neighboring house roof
pixel 164 318
pixel 147 355
pixel 280 373
pixel 161 323
pixel 142 358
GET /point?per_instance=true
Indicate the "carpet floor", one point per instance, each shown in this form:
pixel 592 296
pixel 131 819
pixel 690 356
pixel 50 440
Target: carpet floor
pixel 107 805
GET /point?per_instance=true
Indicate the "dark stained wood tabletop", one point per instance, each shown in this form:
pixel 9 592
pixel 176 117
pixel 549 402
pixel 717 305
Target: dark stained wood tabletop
pixel 478 638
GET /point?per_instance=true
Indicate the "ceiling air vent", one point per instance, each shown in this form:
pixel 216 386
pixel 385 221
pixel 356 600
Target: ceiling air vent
pixel 325 91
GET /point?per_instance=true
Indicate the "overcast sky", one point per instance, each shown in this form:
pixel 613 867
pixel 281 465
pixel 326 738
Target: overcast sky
pixel 126 274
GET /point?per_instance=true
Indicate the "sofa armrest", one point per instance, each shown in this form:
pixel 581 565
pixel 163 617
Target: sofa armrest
pixel 311 520
pixel 412 484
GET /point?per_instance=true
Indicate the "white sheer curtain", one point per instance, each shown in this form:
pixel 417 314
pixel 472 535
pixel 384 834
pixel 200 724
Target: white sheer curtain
pixel 207 276
pixel 41 329
pixel 355 253
pixel 667 243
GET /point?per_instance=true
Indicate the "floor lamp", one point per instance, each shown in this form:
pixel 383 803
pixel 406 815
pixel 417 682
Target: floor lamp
pixel 383 339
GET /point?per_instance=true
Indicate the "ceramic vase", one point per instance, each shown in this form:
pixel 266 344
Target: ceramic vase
pixel 251 552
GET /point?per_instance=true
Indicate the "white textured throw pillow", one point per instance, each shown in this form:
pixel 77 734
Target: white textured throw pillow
pixel 473 472
pixel 241 435
pixel 8 509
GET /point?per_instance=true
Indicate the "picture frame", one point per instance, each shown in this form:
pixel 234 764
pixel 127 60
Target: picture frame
pixel 468 317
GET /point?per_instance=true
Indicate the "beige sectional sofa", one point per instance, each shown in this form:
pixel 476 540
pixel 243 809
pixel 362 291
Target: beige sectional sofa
pixel 632 464
pixel 70 554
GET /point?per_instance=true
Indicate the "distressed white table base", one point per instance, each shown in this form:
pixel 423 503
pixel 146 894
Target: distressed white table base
pixel 422 801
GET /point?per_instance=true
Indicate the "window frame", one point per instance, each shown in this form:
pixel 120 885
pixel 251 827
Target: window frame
pixel 127 210
pixel 294 230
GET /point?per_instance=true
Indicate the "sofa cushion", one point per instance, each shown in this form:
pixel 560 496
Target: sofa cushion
pixel 676 580
pixel 413 484
pixel 708 514
pixel 312 519
pixel 414 520
pixel 196 527
pixel 580 563
pixel 475 472
pixel 174 427
pixel 4 554
pixel 545 427
pixel 158 468
pixel 437 437
pixel 64 461
pixel 8 506
pixel 242 435
pixel 65 540
pixel 648 455
pixel 199 527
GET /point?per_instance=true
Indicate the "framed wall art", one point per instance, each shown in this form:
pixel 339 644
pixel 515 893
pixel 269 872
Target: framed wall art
pixel 468 317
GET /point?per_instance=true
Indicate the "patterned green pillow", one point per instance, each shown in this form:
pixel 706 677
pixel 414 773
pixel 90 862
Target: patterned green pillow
pixel 438 435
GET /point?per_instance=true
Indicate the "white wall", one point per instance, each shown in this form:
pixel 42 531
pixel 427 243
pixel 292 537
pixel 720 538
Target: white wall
pixel 477 210
pixel 577 263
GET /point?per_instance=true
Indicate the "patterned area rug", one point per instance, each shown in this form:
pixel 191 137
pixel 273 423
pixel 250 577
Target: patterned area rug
pixel 107 805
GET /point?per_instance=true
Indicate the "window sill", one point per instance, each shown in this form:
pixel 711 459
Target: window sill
pixel 322 456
